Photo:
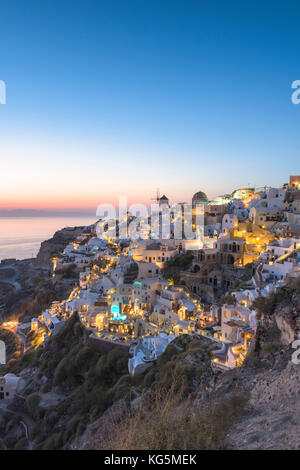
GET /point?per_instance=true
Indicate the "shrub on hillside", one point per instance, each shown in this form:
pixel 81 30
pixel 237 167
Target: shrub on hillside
pixel 61 371
pixel 164 422
pixel 271 347
pixel 267 305
pixel 228 300
pixel 32 401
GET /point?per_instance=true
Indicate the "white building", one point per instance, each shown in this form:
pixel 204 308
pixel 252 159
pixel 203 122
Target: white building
pixel 157 253
pixel 50 321
pixel 229 221
pixel 276 271
pixel 274 197
pixel 147 351
pixel 283 247
pixel 264 217
pixel 10 384
pixel 234 319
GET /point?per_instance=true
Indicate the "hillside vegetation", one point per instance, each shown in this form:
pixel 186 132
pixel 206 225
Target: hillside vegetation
pixel 77 398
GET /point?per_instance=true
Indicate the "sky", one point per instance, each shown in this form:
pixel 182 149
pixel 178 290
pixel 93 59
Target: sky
pixel 113 98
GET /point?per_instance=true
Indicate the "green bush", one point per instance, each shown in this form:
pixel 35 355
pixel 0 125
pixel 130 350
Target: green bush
pixel 72 425
pixel 271 347
pixel 53 442
pixel 267 305
pixel 61 371
pixel 22 444
pixel 46 388
pixel 181 261
pixel 28 357
pixel 83 357
pixel 111 366
pixel 33 401
pixel 228 299
pixel 36 430
pixel 169 353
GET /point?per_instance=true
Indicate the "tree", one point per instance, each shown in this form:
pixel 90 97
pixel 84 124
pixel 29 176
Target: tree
pixel 228 299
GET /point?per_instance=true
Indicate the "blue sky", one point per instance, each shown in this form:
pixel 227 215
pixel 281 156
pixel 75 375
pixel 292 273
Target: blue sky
pixel 117 97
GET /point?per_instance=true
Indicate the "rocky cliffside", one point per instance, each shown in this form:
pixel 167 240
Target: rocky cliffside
pixel 55 245
pixel 273 421
pixel 271 378
pixel 282 310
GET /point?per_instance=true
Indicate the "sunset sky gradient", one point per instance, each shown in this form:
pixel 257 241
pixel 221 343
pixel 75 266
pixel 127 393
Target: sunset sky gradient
pixel 119 97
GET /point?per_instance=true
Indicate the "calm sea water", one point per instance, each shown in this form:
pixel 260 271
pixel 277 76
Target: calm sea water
pixel 21 237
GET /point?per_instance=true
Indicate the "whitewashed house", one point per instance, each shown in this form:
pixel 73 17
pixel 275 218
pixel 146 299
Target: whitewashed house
pixel 10 384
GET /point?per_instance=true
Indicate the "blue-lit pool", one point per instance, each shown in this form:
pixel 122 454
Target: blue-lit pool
pixel 118 316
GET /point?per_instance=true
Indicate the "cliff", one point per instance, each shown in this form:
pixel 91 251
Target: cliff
pixel 271 378
pixel 55 245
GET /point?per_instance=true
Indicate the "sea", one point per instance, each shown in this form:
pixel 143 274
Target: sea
pixel 21 237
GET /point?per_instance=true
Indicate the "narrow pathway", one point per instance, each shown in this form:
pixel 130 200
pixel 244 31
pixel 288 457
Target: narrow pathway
pixel 27 435
pixel 26 422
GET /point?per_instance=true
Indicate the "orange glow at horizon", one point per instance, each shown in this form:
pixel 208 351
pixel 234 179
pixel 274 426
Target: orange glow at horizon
pixel 66 203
